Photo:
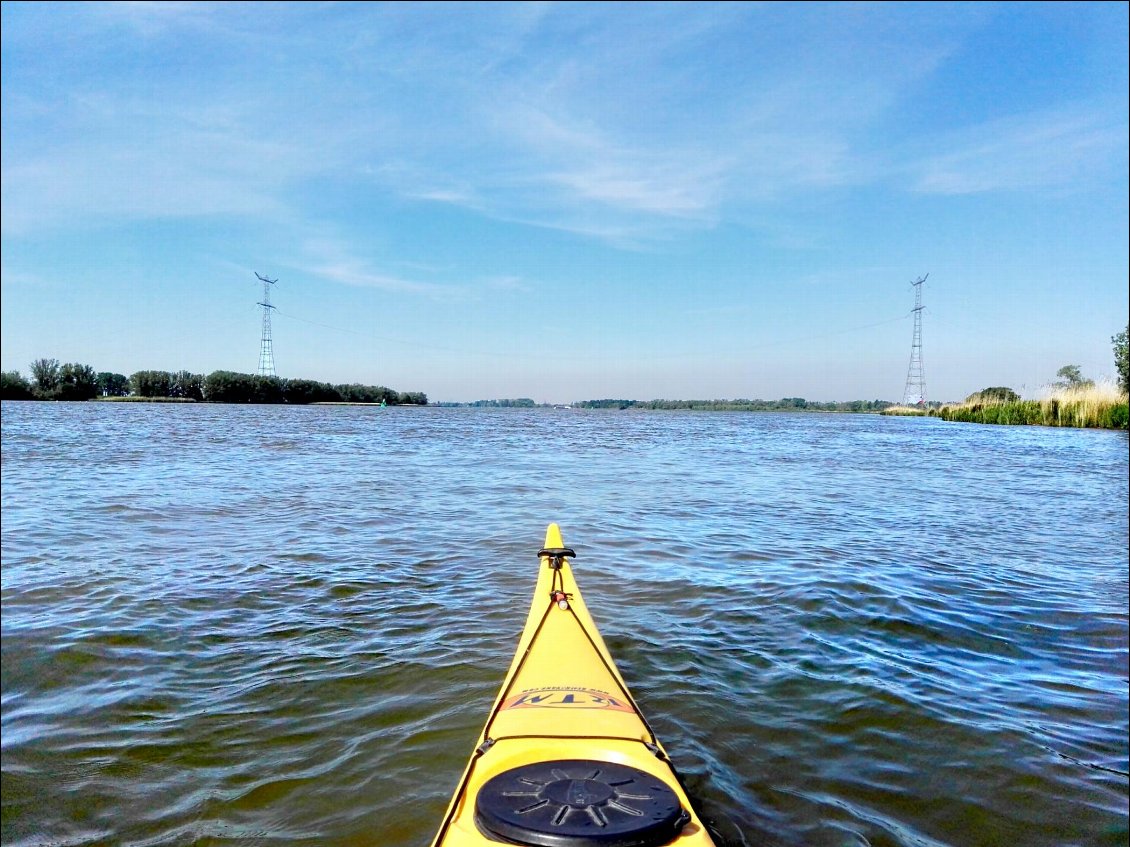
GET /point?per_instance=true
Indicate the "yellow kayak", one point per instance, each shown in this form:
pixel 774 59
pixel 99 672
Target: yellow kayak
pixel 566 759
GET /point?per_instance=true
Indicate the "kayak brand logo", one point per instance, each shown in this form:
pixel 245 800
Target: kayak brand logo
pixel 567 698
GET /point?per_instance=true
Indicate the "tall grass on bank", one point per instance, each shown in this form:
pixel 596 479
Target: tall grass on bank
pixel 905 411
pixel 1097 406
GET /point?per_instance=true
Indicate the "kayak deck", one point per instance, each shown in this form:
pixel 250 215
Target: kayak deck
pixel 566 759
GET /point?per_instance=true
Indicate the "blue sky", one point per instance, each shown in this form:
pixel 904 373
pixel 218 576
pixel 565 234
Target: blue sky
pixel 569 201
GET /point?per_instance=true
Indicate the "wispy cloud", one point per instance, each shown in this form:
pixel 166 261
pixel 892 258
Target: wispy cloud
pixel 333 261
pixel 152 19
pixel 532 114
pixel 12 279
pixel 1048 149
pixel 355 273
pixel 136 159
pixel 587 167
pixel 626 140
pixel 507 283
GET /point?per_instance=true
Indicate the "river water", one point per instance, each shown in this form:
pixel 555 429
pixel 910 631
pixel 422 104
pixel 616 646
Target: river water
pixel 283 626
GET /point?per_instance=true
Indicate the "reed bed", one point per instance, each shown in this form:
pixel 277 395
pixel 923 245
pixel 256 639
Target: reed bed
pixel 905 411
pixel 1098 406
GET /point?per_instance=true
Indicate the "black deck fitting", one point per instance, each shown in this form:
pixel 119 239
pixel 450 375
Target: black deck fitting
pixel 556 555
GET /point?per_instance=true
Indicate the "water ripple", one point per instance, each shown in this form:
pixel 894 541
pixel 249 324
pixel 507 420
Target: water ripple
pixel 285 626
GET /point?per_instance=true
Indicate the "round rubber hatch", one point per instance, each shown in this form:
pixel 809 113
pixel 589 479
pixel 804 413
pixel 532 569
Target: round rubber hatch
pixel 579 803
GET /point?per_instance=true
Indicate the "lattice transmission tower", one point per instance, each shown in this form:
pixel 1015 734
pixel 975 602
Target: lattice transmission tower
pixel 915 392
pixel 266 354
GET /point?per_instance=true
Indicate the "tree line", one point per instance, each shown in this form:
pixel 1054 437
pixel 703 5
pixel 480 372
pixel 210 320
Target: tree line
pixel 513 403
pixel 741 405
pixel 51 380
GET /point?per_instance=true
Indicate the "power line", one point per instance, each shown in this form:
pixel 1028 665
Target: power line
pixel 560 355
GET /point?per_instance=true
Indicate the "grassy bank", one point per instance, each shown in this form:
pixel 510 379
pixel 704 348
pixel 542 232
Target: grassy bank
pixel 906 411
pixel 1100 406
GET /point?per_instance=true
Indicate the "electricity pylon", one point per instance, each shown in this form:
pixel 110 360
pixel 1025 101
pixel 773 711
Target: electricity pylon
pixel 915 392
pixel 266 355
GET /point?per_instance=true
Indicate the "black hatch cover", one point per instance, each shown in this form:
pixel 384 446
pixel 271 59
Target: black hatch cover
pixel 579 803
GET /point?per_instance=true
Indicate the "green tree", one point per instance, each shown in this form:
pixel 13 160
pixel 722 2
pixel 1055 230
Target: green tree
pixel 1121 362
pixel 356 393
pixel 995 394
pixel 1071 377
pixel 268 389
pixel 77 382
pixel 14 387
pixel 151 383
pixel 187 385
pixel 113 385
pixel 302 391
pixel 45 372
pixel 228 387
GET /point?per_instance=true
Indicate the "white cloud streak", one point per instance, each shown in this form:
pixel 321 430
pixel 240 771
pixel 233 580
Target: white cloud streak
pixel 332 260
pixel 1052 149
pixel 552 117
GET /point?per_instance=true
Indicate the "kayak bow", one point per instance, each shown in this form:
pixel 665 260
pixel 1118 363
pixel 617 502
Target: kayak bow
pixel 566 759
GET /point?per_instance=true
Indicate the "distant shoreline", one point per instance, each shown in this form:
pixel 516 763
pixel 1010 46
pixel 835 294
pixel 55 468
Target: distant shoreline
pixel 1051 413
pixel 132 399
pixel 637 408
pixel 787 404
